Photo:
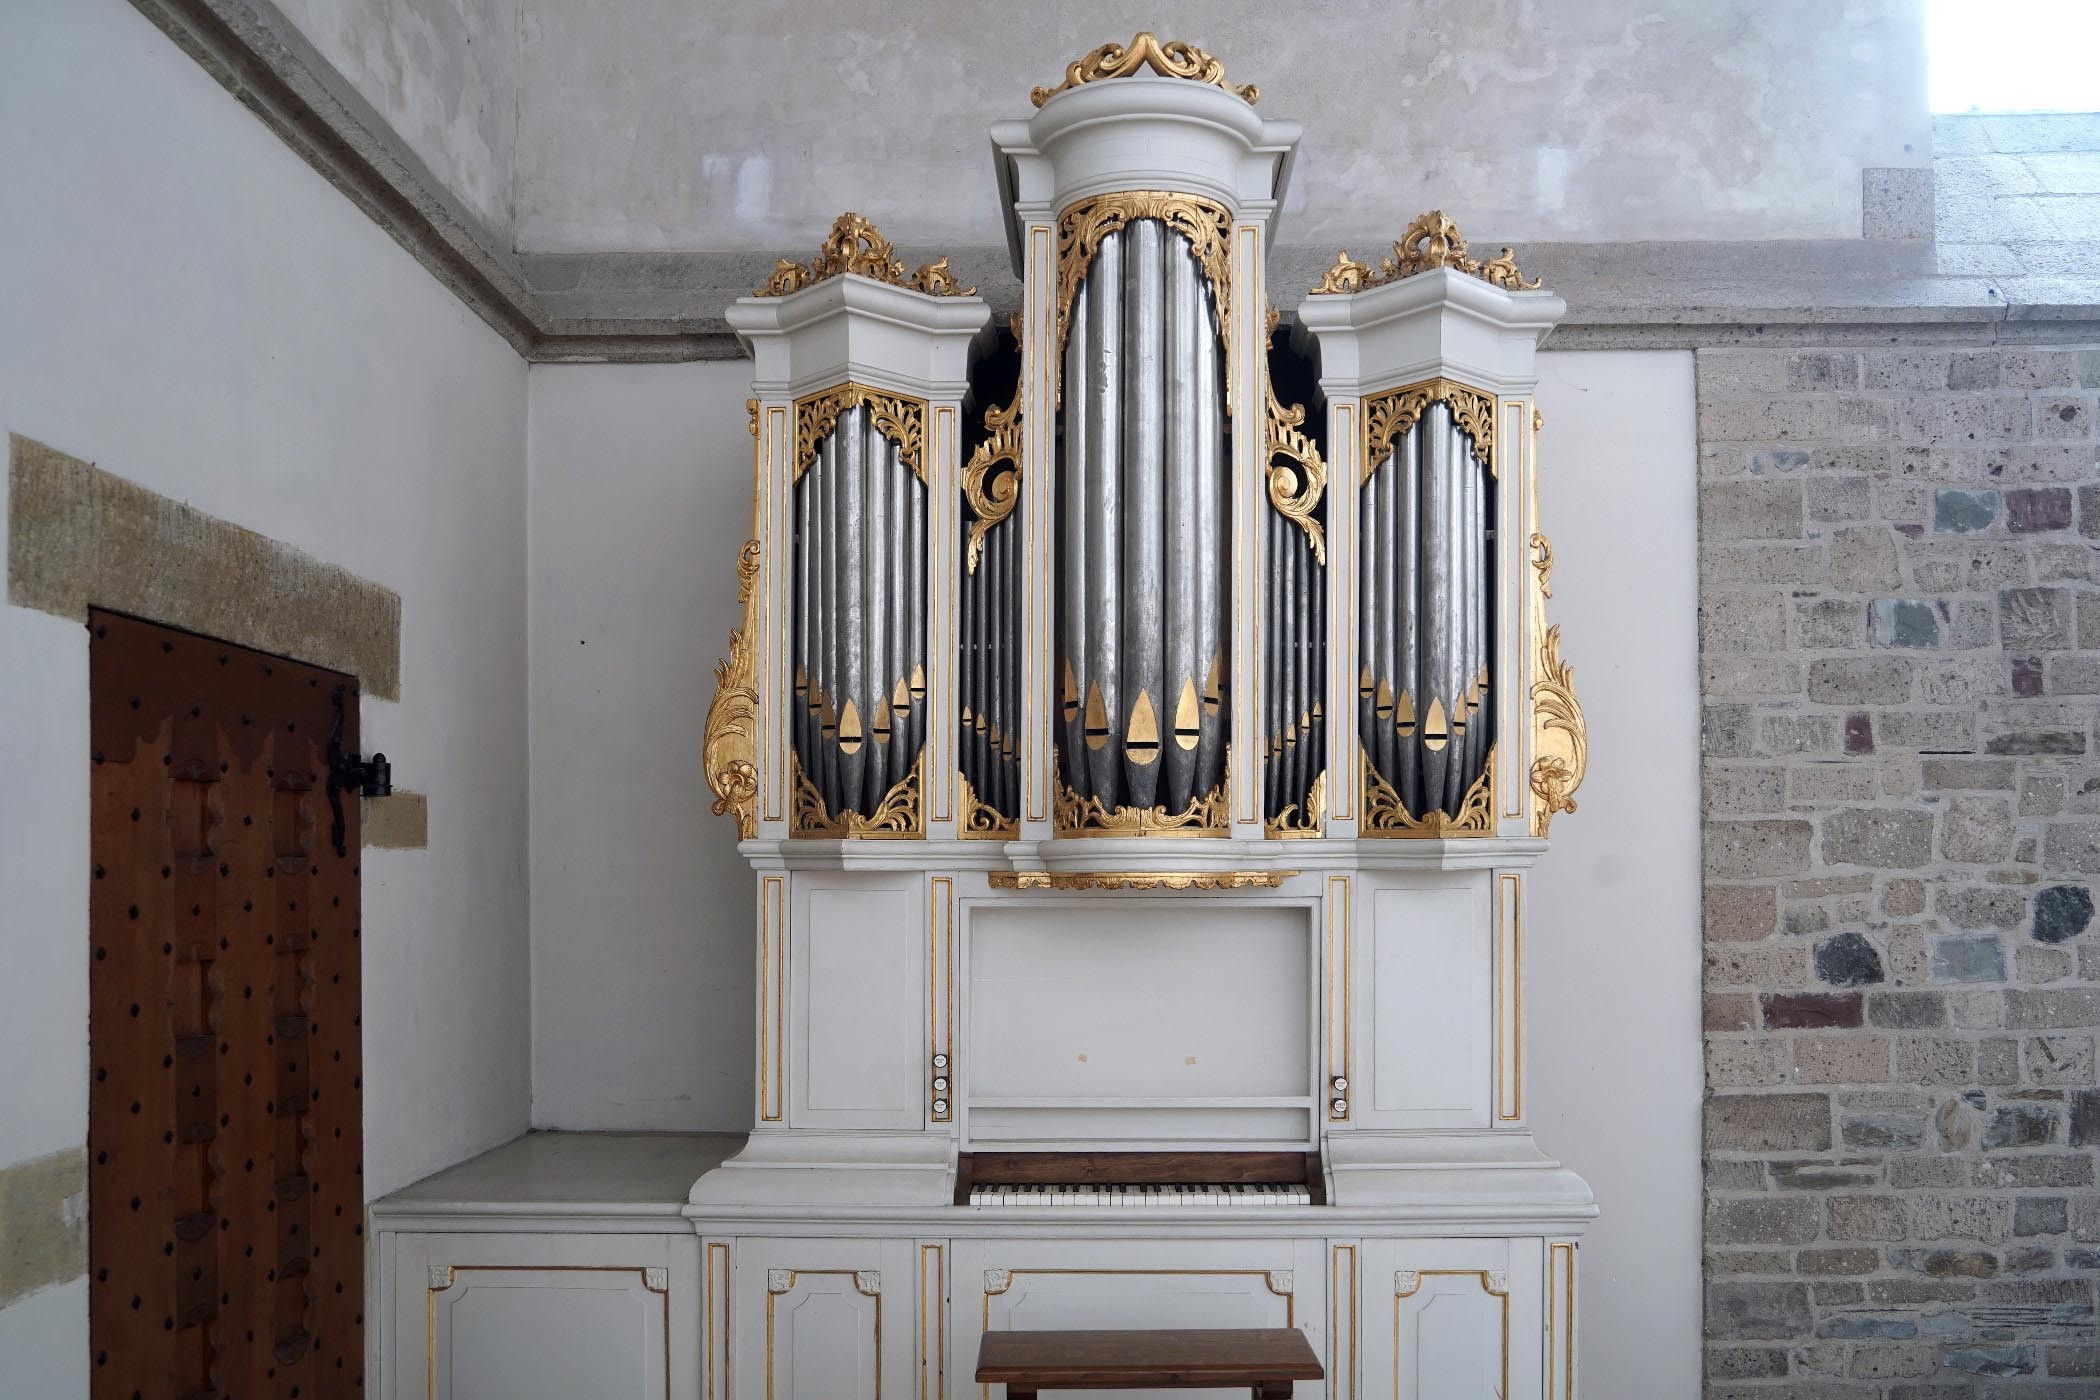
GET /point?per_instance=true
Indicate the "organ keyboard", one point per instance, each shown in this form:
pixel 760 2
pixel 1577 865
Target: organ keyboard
pixel 1113 1180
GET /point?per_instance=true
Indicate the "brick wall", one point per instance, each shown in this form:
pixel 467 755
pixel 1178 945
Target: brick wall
pixel 1900 633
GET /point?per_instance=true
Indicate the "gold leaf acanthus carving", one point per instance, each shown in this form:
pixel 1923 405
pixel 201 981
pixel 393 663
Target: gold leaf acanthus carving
pixel 897 815
pixel 980 820
pixel 1208 814
pixel 992 477
pixel 897 417
pixel 1294 820
pixel 857 247
pixel 1560 744
pixel 1295 490
pixel 1137 879
pixel 1207 227
pixel 1172 59
pixel 1386 815
pixel 1388 415
pixel 729 746
pixel 1431 241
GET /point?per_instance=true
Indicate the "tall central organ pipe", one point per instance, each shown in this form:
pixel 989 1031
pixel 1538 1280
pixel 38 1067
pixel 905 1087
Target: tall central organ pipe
pixel 1142 502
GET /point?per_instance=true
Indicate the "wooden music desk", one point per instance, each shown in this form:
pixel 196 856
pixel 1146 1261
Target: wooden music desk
pixel 1264 1360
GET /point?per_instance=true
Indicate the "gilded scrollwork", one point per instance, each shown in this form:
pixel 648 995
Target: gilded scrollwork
pixel 1297 476
pixel 729 746
pixel 1209 814
pixel 898 417
pixel 980 820
pixel 1297 821
pixel 1388 415
pixel 1347 275
pixel 1386 815
pixel 1171 59
pixel 992 477
pixel 1431 241
pixel 1206 225
pixel 898 815
pixel 857 247
pixel 1560 744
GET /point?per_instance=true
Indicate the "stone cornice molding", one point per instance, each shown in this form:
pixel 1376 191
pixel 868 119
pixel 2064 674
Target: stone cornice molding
pixel 668 307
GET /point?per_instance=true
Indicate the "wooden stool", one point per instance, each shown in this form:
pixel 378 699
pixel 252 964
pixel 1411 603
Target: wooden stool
pixel 1264 1360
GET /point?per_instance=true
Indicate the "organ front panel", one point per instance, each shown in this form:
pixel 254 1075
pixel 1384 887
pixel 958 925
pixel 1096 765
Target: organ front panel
pixel 1142 724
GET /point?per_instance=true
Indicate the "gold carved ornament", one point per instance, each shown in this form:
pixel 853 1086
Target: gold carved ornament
pixel 1431 241
pixel 1209 814
pixel 1137 879
pixel 980 820
pixel 1294 821
pixel 1295 489
pixel 1206 225
pixel 1560 743
pixel 896 817
pixel 1388 415
pixel 1386 815
pixel 898 417
pixel 729 747
pixel 993 489
pixel 1172 59
pixel 857 247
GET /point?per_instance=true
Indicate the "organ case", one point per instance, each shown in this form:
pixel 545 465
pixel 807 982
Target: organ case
pixel 1141 733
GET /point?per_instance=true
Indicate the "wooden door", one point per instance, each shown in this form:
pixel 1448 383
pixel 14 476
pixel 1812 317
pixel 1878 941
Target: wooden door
pixel 225 1191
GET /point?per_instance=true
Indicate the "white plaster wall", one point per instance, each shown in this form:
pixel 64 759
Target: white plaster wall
pixel 642 911
pixel 188 304
pixel 444 74
pixel 1612 983
pixel 659 124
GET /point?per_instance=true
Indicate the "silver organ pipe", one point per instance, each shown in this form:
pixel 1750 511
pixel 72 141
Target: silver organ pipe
pixel 1427 585
pixel 1142 498
pixel 1294 621
pixel 859 617
pixel 988 670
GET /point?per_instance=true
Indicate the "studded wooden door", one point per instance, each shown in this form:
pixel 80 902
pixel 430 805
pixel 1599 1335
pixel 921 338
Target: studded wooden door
pixel 225 1192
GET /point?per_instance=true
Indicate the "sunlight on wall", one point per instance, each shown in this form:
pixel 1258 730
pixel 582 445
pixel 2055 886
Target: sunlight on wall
pixel 2013 55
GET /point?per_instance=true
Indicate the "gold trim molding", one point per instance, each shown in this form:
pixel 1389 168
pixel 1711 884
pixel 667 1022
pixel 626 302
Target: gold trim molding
pixel 729 748
pixel 1431 241
pixel 1206 225
pixel 898 417
pixel 856 247
pixel 1137 880
pixel 993 494
pixel 899 816
pixel 1386 815
pixel 1173 59
pixel 1388 415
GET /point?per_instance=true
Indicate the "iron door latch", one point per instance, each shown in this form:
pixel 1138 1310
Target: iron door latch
pixel 349 772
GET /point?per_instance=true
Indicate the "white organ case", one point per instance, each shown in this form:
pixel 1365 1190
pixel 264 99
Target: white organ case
pixel 1143 765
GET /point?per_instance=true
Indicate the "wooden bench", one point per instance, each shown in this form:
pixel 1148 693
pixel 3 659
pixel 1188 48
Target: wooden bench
pixel 1267 1361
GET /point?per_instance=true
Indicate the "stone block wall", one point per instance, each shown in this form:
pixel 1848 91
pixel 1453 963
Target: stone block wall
pixel 1900 643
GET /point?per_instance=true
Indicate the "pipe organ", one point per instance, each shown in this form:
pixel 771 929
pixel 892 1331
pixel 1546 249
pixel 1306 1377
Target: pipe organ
pixel 1142 724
